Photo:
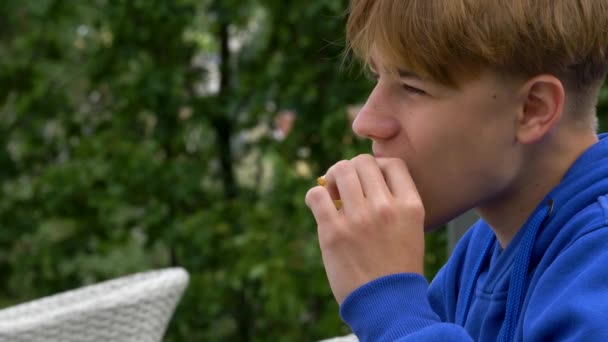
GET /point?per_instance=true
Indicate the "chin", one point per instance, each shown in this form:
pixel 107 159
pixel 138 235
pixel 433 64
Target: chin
pixel 433 227
pixel 434 222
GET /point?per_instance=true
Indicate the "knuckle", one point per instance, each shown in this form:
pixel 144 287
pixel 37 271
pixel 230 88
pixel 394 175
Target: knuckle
pixel 413 210
pixel 363 158
pixel 395 162
pixel 313 195
pixel 332 238
pixel 360 219
pixel 342 166
pixel 386 210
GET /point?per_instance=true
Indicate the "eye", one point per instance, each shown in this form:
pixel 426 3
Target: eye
pixel 413 90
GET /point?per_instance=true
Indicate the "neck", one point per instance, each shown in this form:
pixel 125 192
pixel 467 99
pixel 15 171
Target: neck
pixel 547 163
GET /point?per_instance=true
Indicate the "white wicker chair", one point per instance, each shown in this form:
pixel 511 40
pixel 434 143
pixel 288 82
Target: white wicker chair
pixel 347 338
pixel 132 308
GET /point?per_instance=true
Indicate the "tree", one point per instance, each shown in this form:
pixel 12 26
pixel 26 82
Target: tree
pixel 117 162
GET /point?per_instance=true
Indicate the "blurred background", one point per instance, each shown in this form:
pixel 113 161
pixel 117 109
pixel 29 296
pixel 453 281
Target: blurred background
pixel 141 134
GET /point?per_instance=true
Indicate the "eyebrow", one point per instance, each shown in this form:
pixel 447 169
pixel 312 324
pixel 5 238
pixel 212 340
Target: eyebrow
pixel 408 74
pixel 402 73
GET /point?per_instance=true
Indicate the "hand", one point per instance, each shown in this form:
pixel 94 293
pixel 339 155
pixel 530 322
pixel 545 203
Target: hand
pixel 379 230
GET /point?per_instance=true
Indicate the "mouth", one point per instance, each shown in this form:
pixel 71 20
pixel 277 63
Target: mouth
pixel 377 151
pixel 377 154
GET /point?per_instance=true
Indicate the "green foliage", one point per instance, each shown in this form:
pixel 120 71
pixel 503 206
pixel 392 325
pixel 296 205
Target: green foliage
pixel 112 159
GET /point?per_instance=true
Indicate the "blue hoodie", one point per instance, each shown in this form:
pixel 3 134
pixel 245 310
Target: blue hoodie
pixel 550 283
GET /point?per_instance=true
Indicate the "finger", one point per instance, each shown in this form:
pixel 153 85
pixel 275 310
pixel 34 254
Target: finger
pixel 371 177
pixel 321 205
pixel 322 182
pixel 329 184
pixel 398 178
pixel 346 180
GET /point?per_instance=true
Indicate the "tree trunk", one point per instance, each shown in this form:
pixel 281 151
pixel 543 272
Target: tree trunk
pixel 223 125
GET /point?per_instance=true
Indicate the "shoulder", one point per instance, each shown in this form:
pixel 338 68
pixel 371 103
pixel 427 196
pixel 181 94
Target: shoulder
pixel 572 288
pixel 593 220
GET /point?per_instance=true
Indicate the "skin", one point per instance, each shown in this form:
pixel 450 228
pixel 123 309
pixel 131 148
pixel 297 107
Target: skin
pixel 496 144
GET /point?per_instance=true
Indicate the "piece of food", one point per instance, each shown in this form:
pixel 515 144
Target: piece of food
pixel 322 182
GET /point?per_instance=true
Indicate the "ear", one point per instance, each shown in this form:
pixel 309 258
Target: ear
pixel 543 105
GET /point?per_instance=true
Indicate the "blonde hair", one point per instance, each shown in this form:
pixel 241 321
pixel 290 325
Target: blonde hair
pixel 446 41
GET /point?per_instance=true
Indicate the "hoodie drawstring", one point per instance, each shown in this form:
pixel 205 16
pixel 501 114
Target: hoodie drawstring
pixel 519 274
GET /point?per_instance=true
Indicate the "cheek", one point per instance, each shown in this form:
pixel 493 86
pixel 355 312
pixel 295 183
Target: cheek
pixel 439 133
pixel 457 152
pixel 453 136
pixel 447 145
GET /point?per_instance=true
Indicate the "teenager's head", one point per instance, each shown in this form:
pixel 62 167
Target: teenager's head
pixel 467 88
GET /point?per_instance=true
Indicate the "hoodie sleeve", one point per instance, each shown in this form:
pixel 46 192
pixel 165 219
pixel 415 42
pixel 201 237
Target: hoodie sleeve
pixel 570 299
pixel 402 307
pixel 396 308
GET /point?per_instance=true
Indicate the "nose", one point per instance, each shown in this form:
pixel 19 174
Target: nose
pixel 376 120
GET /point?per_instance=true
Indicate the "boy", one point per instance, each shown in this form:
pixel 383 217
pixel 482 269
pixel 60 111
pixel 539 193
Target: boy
pixel 478 104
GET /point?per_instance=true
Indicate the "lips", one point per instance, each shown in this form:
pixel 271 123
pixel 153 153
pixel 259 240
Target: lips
pixel 378 151
pixel 377 154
